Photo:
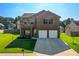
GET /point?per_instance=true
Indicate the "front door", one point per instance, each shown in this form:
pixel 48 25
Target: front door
pixel 27 33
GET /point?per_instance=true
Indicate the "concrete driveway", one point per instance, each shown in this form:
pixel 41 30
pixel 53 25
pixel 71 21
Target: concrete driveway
pixel 50 46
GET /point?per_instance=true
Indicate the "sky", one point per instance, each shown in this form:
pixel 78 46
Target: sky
pixel 65 10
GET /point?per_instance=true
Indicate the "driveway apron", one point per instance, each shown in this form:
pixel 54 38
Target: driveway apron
pixel 50 46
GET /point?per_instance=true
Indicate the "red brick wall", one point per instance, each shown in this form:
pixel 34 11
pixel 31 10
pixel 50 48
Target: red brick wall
pixel 53 26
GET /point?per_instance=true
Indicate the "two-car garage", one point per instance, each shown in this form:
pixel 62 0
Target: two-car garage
pixel 48 34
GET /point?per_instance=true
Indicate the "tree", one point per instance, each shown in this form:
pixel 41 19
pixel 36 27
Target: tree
pixel 66 22
pixel 6 21
pixel 16 20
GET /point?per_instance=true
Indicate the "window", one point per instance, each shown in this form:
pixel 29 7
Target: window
pixel 25 22
pixel 45 21
pixel 32 21
pixel 24 18
pixel 48 21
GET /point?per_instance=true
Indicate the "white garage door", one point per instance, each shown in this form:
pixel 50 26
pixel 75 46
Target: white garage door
pixel 53 34
pixel 42 33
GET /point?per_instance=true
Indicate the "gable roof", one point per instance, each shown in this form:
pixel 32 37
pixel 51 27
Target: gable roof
pixel 75 22
pixel 36 14
pixel 27 14
pixel 54 14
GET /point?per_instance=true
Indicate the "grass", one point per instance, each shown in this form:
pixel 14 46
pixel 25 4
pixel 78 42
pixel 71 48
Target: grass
pixel 11 44
pixel 69 40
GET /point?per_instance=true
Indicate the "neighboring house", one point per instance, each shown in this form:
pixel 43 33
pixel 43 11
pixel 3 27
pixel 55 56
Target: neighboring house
pixel 44 24
pixel 73 27
pixel 1 28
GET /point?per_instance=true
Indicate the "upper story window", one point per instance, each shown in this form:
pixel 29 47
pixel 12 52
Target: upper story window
pixel 24 18
pixel 48 21
pixel 45 21
pixel 32 21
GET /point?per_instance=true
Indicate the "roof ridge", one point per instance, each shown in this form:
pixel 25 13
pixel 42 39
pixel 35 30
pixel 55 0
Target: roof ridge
pixel 35 14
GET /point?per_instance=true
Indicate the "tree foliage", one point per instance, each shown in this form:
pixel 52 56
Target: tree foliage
pixel 65 22
pixel 6 21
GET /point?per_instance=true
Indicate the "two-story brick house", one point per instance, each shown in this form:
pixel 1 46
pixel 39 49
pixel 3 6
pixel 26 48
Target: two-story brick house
pixel 44 24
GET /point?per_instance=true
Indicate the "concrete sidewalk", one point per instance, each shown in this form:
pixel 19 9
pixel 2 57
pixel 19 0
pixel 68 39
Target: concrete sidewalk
pixel 69 52
pixel 17 54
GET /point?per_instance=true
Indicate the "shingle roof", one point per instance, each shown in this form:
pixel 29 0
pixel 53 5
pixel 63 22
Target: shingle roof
pixel 27 14
pixel 36 14
pixel 55 14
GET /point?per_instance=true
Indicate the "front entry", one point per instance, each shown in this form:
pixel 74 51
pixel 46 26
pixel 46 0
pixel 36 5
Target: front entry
pixel 27 33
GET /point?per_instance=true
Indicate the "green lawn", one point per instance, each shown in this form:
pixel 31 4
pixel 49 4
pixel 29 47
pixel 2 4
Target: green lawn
pixel 69 40
pixel 11 43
